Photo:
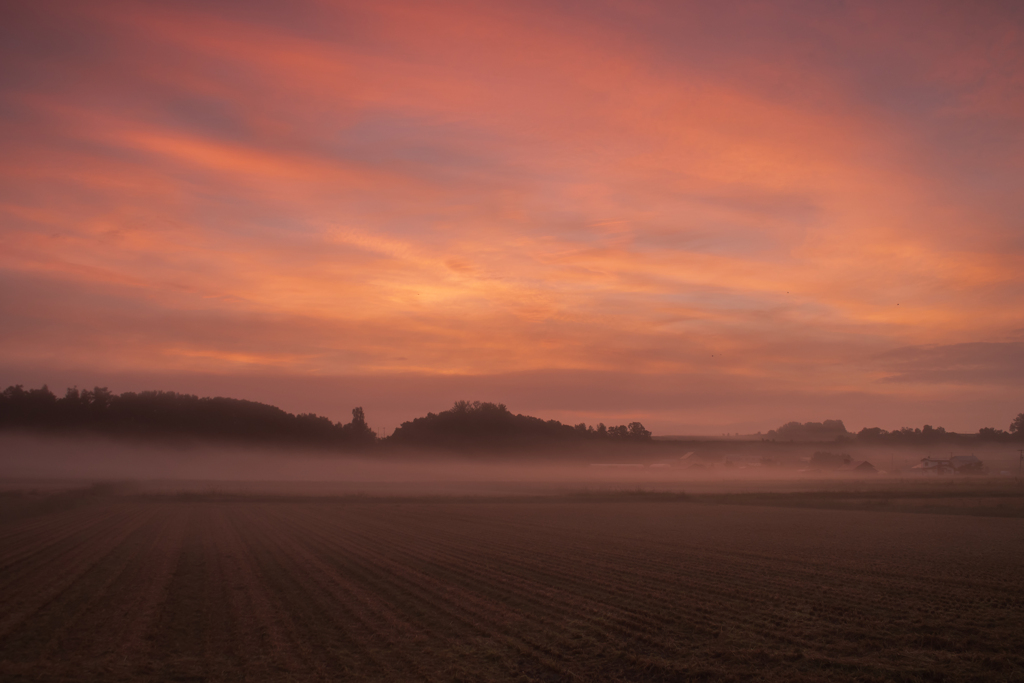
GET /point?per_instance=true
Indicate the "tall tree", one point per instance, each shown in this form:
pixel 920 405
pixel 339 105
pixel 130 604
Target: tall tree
pixel 1017 426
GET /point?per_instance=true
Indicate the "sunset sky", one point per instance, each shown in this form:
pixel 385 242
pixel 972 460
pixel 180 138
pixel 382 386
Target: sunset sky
pixel 709 217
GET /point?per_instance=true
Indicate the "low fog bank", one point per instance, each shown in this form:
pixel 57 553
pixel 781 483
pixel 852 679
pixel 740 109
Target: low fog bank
pixel 57 462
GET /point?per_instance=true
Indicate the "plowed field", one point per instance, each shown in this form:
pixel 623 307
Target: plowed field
pixel 150 588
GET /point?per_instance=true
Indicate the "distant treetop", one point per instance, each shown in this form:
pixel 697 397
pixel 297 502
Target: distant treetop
pixel 810 431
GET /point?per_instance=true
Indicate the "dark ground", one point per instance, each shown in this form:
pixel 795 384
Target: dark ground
pixel 99 586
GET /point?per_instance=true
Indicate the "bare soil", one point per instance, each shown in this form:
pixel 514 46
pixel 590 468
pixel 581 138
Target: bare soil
pixel 98 586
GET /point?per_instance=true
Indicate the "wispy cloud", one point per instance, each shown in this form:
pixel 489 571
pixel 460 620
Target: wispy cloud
pixel 976 363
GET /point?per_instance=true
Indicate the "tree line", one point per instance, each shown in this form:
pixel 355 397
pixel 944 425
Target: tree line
pixel 929 434
pixel 834 430
pixel 170 414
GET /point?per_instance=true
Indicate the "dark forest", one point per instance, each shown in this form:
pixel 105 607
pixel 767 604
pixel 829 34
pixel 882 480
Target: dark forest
pixel 467 425
pixel 169 414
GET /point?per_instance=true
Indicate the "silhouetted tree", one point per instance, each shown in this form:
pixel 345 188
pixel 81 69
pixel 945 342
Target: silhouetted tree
pixel 638 433
pixel 1017 426
pixel 358 431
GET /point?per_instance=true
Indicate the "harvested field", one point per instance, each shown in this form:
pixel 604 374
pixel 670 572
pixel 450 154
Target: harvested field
pixel 106 587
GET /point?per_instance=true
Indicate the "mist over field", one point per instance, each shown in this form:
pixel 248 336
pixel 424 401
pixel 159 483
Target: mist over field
pixel 198 465
pixel 153 559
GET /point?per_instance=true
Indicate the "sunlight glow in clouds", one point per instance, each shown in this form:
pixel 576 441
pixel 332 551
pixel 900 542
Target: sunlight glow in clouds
pixel 815 205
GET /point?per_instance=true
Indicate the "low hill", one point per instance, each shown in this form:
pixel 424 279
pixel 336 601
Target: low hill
pixel 490 425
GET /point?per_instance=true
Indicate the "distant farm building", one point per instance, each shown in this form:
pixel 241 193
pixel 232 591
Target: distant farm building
pixel 859 467
pixel 957 464
pixel 966 464
pixel 933 466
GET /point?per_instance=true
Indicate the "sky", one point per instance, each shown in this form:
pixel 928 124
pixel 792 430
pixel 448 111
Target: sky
pixel 709 217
